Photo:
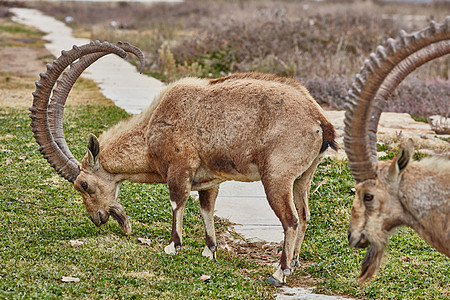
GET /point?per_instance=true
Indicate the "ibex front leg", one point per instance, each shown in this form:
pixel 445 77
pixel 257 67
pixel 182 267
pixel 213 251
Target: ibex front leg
pixel 207 202
pixel 179 182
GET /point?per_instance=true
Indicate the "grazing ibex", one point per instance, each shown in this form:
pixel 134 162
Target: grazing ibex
pixel 397 192
pixel 195 135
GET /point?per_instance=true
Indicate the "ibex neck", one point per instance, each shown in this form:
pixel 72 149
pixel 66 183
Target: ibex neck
pixel 437 236
pixel 125 152
pixel 424 194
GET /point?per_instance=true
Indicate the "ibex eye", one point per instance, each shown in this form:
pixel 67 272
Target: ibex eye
pixel 84 185
pixel 368 197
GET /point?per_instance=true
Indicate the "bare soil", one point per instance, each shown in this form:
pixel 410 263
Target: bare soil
pixel 264 254
pixel 20 68
pixel 23 61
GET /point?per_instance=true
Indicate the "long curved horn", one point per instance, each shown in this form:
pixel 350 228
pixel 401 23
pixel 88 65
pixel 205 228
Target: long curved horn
pixel 47 117
pixel 376 80
pixel 65 84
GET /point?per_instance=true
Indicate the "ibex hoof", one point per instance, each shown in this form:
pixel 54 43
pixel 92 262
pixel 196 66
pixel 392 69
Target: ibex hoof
pixel 274 282
pixel 287 272
pixel 208 253
pixel 170 249
pixel 278 278
pixel 295 263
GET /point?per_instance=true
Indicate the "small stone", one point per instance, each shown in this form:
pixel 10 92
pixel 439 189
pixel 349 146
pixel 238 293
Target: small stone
pixel 75 243
pixel 70 279
pixel 145 241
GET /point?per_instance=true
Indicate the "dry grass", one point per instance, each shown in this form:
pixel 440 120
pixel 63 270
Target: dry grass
pixel 16 92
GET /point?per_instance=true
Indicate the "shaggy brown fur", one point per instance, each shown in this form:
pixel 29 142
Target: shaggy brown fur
pixel 199 133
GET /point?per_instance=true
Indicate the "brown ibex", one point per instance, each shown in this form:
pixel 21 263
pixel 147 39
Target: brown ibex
pixel 397 192
pixel 195 135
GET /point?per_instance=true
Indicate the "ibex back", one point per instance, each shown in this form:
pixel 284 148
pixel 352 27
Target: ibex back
pixel 195 135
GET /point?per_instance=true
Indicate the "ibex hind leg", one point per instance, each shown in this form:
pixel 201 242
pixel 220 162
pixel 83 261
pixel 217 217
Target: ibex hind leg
pixel 302 186
pixel 279 195
pixel 207 203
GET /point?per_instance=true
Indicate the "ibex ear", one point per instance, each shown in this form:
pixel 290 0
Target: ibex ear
pixel 93 151
pixel 399 163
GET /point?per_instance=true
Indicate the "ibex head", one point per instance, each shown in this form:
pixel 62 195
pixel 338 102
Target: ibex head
pixel 376 182
pixel 98 187
pixel 376 210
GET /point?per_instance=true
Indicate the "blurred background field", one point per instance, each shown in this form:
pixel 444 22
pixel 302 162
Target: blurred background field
pixel 321 43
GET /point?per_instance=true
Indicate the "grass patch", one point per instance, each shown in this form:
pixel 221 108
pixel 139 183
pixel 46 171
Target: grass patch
pixel 14 34
pixel 41 213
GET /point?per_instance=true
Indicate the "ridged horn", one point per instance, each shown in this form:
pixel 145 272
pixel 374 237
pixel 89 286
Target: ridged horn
pixel 65 84
pixel 47 115
pixel 376 81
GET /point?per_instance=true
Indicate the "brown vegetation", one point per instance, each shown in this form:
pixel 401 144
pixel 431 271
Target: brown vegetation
pixel 322 44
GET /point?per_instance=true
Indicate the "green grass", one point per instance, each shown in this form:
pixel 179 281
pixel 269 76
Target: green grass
pixel 41 213
pixel 13 34
pixel 15 29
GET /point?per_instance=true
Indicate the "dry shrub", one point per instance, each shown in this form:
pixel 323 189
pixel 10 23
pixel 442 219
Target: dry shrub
pixel 330 91
pixel 269 41
pixel 323 44
pixel 421 98
pixel 441 126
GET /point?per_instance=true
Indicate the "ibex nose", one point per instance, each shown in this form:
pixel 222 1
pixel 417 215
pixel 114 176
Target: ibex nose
pixel 103 216
pixel 99 218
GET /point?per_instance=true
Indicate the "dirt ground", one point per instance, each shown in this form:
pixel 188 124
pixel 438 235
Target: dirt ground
pixel 23 61
pixel 20 68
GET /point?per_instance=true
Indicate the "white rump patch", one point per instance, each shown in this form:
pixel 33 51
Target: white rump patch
pixel 173 204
